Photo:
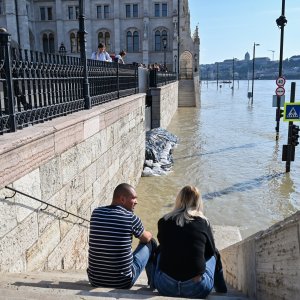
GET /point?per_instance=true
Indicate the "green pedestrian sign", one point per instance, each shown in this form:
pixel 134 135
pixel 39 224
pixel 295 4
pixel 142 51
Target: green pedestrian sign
pixel 291 112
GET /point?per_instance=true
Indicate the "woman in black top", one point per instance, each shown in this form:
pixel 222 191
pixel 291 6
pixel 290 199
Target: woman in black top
pixel 187 259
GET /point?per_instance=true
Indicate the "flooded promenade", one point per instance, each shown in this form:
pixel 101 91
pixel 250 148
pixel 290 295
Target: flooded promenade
pixel 227 148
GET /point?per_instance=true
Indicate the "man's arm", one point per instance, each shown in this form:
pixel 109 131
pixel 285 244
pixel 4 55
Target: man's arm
pixel 145 237
pixel 108 58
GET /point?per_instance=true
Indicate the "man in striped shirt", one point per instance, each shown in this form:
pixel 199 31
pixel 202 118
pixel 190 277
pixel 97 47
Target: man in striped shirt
pixel 111 261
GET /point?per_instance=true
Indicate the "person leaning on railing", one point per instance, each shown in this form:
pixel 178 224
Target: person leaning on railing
pixel 120 57
pixel 101 54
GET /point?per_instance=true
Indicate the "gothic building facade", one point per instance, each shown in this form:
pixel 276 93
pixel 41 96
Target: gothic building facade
pixel 149 30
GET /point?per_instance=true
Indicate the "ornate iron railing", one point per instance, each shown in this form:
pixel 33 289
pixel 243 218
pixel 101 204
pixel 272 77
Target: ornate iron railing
pixel 37 87
pixel 160 78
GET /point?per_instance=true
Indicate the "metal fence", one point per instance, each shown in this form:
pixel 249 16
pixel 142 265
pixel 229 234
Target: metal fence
pixel 36 87
pixel 160 78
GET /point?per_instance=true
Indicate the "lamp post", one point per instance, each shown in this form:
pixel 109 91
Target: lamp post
pixel 281 22
pixel 273 51
pixel 81 34
pixel 164 41
pixel 62 49
pixel 217 75
pixel 175 59
pixel 253 65
pixel 233 73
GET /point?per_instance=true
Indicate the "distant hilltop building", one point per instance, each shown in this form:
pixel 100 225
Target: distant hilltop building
pixel 139 27
pixel 295 58
pixel 265 68
pixel 247 56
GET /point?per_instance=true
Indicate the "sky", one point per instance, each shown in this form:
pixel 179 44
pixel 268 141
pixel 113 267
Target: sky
pixel 229 28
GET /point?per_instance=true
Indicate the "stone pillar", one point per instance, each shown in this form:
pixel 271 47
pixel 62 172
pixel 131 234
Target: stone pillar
pixel 117 29
pixel 89 8
pixel 62 36
pixel 146 33
pixel 22 22
pixel 11 19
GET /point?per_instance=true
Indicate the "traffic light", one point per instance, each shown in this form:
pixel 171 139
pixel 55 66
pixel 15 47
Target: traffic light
pixel 279 113
pixel 295 135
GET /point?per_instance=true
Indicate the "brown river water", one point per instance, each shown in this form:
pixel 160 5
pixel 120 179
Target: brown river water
pixel 227 149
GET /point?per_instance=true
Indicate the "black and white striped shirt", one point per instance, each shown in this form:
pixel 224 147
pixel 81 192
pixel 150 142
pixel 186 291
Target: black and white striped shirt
pixel 110 252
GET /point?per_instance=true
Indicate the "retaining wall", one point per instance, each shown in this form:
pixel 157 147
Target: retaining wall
pixel 267 265
pixel 73 162
pixel 164 104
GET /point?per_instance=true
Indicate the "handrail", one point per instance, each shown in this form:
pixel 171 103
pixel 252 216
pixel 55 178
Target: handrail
pixel 47 204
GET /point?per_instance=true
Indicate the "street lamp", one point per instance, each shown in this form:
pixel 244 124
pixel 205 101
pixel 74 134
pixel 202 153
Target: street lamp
pixel 253 64
pixel 81 34
pixel 281 22
pixel 217 75
pixel 233 73
pixel 175 60
pixel 62 49
pixel 273 51
pixel 164 41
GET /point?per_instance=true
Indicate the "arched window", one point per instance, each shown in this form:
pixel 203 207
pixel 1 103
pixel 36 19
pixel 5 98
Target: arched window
pixel 107 41
pixel 157 40
pixel 51 43
pixel 129 41
pixel 48 43
pixel 132 41
pixel 160 35
pixel 74 42
pixel 104 38
pixel 136 41
pixel 45 43
pixel 100 38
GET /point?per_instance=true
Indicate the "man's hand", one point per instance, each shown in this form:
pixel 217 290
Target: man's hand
pixel 145 237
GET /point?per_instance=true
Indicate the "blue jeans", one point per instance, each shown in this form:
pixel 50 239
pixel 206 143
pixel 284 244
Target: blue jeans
pixel 141 261
pixel 167 286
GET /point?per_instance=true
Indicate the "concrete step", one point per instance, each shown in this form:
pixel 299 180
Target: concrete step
pixel 73 285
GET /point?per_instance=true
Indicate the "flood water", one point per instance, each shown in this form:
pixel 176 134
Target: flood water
pixel 227 149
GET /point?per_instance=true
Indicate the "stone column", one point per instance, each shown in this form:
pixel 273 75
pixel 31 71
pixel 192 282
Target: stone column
pixel 117 29
pixel 11 19
pixel 145 34
pixel 61 35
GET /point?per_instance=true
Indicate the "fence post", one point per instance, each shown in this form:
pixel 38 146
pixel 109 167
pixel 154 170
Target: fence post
pixel 136 79
pixel 118 80
pixel 5 39
pixel 81 33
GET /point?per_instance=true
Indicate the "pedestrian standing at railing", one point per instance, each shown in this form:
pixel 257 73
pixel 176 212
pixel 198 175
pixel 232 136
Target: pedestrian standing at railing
pixel 101 54
pixel 120 57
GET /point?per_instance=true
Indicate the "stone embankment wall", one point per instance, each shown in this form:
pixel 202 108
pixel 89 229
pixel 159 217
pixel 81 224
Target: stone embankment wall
pixel 164 104
pixel 267 265
pixel 73 162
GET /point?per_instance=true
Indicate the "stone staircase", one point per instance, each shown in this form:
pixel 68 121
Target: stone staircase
pixel 74 285
pixel 186 93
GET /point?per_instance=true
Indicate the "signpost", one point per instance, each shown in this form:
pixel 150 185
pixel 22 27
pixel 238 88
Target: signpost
pixel 280 91
pixel 280 81
pixel 282 101
pixel 291 112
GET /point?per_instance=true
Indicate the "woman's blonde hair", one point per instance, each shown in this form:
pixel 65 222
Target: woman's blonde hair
pixel 188 205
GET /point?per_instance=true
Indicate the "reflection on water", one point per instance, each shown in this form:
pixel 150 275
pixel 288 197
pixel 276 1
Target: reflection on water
pixel 228 149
